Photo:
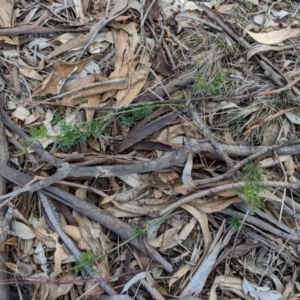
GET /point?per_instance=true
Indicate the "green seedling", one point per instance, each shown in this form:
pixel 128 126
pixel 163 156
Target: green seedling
pixel 136 114
pixel 70 134
pixel 87 259
pixel 214 86
pixel 128 121
pixel 253 186
pixel 235 223
pixel 38 133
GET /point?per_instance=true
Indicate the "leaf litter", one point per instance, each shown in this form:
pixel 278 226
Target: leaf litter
pixel 119 117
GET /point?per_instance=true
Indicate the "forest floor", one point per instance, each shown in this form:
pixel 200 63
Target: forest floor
pixel 149 149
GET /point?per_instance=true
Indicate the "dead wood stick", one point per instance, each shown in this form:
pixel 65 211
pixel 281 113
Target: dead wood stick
pixel 260 213
pixel 262 225
pixel 30 29
pixel 66 170
pixel 5 216
pixel 54 217
pixel 209 137
pixel 122 229
pixel 218 189
pixel 242 163
pixel 172 86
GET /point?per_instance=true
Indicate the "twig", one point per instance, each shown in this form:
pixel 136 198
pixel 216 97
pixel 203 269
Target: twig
pixel 142 31
pixel 147 12
pixel 210 138
pixel 33 29
pixel 226 187
pixel 54 219
pixel 6 214
pixel 244 162
pixel 204 22
pixel 258 223
pixel 161 84
pixel 60 174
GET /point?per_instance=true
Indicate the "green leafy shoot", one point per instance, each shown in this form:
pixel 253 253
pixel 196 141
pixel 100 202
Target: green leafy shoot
pixel 142 112
pixel 235 222
pixel 71 134
pixel 253 186
pixel 58 118
pixel 93 127
pixel 87 260
pixel 138 231
pixel 136 114
pixel 128 121
pixel 38 133
pixel 215 86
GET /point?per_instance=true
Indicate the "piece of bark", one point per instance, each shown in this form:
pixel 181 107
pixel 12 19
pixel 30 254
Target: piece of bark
pixel 4 226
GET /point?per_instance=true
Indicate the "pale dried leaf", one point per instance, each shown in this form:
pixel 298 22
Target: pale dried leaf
pixel 264 48
pixel 224 9
pixel 21 113
pixel 228 283
pixel 22 230
pixel 187 172
pixel 293 117
pixel 259 270
pixel 135 279
pixel 74 232
pixel 260 293
pixel 203 220
pixel 179 274
pixel 215 205
pixel 274 37
pixel 165 239
pixel 33 117
pixel 23 269
pixel 40 257
pixel 5 13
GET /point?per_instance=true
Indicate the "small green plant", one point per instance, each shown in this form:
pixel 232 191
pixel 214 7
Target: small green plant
pixel 215 86
pixel 87 260
pixel 38 133
pixel 138 231
pixel 128 121
pixel 235 222
pixel 253 186
pixel 142 112
pixel 137 114
pixel 176 95
pixel 70 134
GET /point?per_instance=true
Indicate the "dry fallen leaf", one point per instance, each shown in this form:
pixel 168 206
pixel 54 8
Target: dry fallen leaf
pixel 274 37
